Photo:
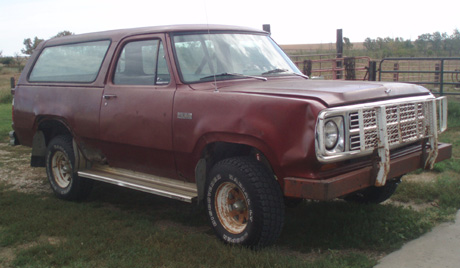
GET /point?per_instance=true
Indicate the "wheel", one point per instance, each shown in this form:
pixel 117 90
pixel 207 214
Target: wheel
pixel 374 195
pixel 244 202
pixel 63 178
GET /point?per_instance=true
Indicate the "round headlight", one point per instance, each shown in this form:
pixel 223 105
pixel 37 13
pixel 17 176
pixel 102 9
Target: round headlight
pixel 331 135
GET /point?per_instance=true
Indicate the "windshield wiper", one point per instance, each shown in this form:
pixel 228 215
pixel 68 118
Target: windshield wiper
pixel 233 74
pixel 275 71
pixel 278 70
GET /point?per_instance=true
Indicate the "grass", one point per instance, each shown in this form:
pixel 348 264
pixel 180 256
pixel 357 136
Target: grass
pixel 5 120
pixel 5 100
pixel 5 85
pixel 123 228
pixel 118 227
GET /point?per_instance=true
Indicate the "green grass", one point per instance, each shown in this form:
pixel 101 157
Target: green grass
pixel 123 228
pixel 5 85
pixel 5 121
pixel 442 192
pixel 340 226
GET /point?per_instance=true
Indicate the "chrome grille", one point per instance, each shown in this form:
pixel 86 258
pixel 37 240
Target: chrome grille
pixel 405 122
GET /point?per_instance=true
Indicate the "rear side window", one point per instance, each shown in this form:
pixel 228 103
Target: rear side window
pixel 70 63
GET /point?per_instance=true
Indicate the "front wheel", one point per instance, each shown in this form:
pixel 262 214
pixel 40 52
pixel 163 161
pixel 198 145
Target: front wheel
pixel 61 171
pixel 244 202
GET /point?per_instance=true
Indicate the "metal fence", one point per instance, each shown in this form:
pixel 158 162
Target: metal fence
pixel 440 75
pixel 347 68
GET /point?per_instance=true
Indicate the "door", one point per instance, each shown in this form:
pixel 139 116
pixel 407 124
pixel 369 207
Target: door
pixel 136 109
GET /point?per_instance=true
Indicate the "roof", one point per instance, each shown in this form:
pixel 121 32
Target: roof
pixel 119 34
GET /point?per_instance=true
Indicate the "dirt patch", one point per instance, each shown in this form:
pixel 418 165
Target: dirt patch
pixel 419 207
pixel 15 170
pixel 421 177
pixel 8 254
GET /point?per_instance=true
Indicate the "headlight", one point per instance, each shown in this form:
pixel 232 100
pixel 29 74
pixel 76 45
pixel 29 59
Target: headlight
pixel 331 135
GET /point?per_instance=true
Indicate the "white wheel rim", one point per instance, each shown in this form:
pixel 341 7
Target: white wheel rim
pixel 61 168
pixel 231 207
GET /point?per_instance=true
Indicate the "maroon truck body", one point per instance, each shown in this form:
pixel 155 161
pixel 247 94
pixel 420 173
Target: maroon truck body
pixel 168 129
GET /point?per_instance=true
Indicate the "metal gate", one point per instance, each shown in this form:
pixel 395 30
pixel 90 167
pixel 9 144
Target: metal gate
pixel 440 75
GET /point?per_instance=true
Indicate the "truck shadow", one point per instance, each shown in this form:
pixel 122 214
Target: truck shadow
pixel 311 226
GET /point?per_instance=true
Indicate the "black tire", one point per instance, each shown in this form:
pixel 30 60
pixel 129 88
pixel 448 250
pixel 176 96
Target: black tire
pixel 374 195
pixel 60 168
pixel 244 202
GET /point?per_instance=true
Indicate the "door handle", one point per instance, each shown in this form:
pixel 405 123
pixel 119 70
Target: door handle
pixel 109 96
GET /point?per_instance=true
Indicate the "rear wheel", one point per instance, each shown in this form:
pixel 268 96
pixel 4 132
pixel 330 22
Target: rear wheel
pixel 60 168
pixel 244 202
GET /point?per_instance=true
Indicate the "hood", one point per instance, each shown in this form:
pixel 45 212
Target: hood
pixel 331 93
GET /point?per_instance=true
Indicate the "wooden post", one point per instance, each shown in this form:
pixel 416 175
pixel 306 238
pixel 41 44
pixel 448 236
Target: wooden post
pixel 396 74
pixel 12 83
pixel 349 68
pixel 372 71
pixel 339 46
pixel 437 68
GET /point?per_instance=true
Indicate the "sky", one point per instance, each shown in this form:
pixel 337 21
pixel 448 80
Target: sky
pixel 292 21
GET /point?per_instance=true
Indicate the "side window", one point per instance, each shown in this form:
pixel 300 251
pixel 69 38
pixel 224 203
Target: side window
pixel 142 63
pixel 78 63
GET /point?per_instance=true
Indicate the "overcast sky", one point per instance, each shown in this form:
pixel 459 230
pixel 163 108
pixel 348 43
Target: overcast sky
pixel 292 21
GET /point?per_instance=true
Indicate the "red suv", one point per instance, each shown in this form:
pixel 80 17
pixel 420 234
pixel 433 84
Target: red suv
pixel 219 115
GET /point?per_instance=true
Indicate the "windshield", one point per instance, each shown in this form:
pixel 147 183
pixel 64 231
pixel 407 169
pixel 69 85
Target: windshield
pixel 222 56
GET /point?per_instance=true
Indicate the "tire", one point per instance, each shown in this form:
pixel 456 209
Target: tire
pixel 244 202
pixel 374 195
pixel 63 178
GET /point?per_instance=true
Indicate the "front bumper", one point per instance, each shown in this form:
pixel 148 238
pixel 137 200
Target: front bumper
pixel 359 179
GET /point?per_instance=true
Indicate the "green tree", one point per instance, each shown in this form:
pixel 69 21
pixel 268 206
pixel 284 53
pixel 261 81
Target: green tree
pixel 348 45
pixel 370 44
pixel 63 33
pixel 30 45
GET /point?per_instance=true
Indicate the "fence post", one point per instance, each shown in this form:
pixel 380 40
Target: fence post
pixel 307 67
pixel 396 75
pixel 349 68
pixel 12 83
pixel 441 80
pixel 437 68
pixel 339 46
pixel 372 71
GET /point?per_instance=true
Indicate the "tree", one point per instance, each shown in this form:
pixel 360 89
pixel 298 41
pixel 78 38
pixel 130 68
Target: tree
pixel 18 61
pixel 30 46
pixel 348 45
pixel 63 33
pixel 369 44
pixel 1 53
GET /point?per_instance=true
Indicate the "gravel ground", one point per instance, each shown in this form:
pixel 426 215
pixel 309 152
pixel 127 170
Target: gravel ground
pixel 15 170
